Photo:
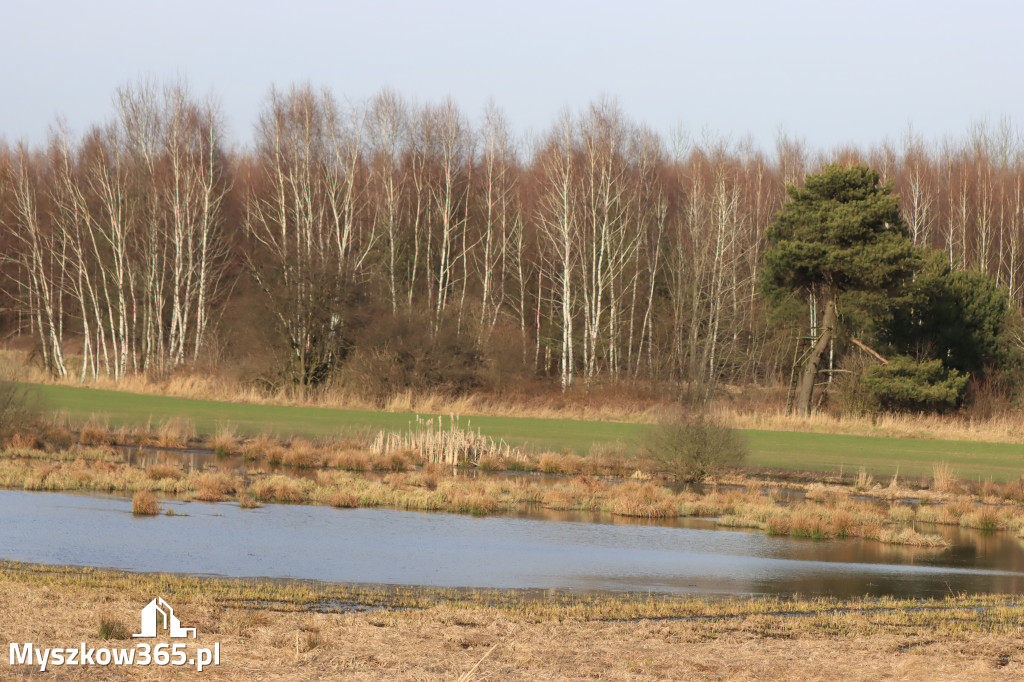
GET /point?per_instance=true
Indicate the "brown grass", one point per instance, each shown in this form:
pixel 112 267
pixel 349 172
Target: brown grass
pixel 134 435
pixel 944 479
pixel 827 511
pixel 350 460
pixel 176 432
pixel 225 441
pixel 158 472
pixel 864 481
pixel 560 463
pixel 95 433
pixel 302 454
pixel 257 448
pixel 144 503
pixel 25 441
pixel 644 500
pixel 247 502
pixel 1007 428
pixel 214 486
pixel 511 637
pixel 278 488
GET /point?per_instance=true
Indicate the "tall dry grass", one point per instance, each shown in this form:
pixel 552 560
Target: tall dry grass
pixel 95 432
pixel 436 444
pixel 225 441
pixel 1005 428
pixel 213 486
pixel 944 479
pixel 176 432
pixel 144 503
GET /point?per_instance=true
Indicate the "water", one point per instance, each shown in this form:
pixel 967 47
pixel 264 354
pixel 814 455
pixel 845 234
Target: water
pixel 550 551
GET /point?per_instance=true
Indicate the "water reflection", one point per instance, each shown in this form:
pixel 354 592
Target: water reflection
pixel 199 460
pixel 551 550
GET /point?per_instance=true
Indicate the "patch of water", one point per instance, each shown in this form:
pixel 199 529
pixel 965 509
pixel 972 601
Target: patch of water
pixel 562 551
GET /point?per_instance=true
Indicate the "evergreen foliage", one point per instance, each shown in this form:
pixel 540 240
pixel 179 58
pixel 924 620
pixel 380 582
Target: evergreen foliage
pixel 905 385
pixel 842 231
pixel 960 317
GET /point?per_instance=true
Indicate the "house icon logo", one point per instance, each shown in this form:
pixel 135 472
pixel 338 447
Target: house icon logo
pixel 159 608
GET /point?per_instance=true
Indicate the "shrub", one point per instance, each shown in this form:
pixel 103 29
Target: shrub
pixel 396 354
pixel 908 386
pixel 695 447
pixel 18 412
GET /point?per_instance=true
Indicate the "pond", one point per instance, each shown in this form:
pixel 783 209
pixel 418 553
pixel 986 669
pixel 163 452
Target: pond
pixel 563 551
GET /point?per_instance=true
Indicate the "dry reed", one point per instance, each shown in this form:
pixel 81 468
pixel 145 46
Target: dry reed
pixel 144 503
pixel 176 432
pixel 827 512
pixel 95 433
pixel 434 443
pixel 943 478
pixel 225 441
pixel 214 486
pixel 301 454
pixel 158 472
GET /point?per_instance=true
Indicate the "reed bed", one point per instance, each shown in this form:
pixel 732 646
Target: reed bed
pixel 176 432
pixel 829 511
pixel 436 444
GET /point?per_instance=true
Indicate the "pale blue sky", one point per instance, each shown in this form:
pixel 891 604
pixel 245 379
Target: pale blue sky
pixel 828 71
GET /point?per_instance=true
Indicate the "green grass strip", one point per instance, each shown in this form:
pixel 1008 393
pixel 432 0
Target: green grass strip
pixel 798 451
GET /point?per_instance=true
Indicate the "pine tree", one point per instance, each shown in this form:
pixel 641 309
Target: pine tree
pixel 841 232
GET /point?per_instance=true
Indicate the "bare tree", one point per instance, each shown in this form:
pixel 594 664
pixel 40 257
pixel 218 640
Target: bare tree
pixel 300 223
pixel 558 222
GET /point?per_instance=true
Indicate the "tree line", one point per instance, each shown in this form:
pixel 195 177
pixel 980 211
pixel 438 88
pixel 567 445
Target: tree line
pixel 397 245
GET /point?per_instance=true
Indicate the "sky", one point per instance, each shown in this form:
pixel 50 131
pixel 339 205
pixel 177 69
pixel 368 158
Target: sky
pixel 830 72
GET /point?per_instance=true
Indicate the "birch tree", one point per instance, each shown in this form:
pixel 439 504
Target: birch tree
pixel 300 228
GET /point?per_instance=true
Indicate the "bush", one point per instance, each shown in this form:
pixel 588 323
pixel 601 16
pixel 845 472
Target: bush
pixel 695 447
pixel 18 412
pixel 905 385
pixel 401 352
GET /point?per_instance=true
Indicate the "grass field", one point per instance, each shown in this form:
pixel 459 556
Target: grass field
pixel 300 631
pixel 829 453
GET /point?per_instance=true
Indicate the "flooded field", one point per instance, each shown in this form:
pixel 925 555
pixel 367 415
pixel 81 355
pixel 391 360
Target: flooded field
pixel 546 550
